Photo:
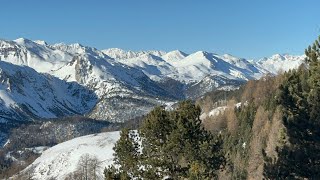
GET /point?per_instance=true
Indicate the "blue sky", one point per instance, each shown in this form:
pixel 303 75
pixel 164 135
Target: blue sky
pixel 245 28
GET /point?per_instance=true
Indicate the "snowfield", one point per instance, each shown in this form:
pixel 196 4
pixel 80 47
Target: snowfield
pixel 60 160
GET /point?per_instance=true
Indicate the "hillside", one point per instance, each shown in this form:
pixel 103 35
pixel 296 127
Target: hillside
pixel 270 127
pixel 60 161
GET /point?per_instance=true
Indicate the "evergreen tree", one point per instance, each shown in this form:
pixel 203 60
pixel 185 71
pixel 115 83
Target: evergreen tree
pixel 174 144
pixel 313 56
pixel 299 96
pixel 126 157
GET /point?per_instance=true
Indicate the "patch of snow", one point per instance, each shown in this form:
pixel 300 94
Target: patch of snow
pixel 5 97
pixel 217 111
pixel 38 150
pixel 244 145
pixel 169 106
pixel 203 116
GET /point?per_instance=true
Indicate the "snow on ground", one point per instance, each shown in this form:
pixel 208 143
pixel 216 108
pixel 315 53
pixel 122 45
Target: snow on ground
pixel 214 112
pixel 169 105
pixel 38 150
pixel 60 160
pixel 218 110
pixel 5 97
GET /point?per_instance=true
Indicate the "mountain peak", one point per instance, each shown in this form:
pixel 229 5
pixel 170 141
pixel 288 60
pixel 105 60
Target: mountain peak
pixel 77 45
pixel 200 54
pixel 23 41
pixel 29 43
pixel 118 53
pixel 174 55
pixel 278 57
pixel 177 52
pixel 41 42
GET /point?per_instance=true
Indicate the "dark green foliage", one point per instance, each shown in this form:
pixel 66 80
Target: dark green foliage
pixel 111 173
pixel 299 96
pixel 127 150
pixel 127 154
pixel 174 144
pixel 233 142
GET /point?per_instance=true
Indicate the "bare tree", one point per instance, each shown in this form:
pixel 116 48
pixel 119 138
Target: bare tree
pixel 88 167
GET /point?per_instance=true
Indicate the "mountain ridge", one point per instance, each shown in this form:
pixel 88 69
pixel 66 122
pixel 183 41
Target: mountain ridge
pixel 128 83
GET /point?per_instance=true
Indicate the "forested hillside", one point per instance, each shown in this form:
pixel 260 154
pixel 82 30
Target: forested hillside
pixel 274 133
pixel 268 128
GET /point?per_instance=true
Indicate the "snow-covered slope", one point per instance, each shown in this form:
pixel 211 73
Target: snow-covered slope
pixel 26 94
pixel 117 53
pixel 153 66
pixel 173 56
pixel 198 65
pixel 280 63
pixel 200 72
pixel 124 92
pixel 60 160
pixel 116 85
pixel 37 55
pixel 190 68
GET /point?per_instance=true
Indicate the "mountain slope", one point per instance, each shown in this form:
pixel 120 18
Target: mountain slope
pixel 110 80
pixel 280 63
pixel 59 161
pixel 26 94
pixel 120 88
pixel 40 57
pixel 117 53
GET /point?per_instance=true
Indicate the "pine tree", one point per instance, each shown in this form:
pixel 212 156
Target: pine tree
pixel 126 157
pixel 299 96
pixel 313 55
pixel 174 144
pixel 154 132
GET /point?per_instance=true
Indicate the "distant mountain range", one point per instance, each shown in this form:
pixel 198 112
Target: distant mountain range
pixel 40 81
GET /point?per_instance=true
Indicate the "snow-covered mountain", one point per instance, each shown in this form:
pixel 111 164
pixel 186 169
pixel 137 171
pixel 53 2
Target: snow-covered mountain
pixel 117 53
pixel 280 63
pixel 189 68
pixel 37 55
pixel 125 84
pixel 26 94
pixel 58 162
pixel 118 87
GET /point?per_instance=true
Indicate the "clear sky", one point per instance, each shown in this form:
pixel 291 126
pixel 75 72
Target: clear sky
pixel 245 28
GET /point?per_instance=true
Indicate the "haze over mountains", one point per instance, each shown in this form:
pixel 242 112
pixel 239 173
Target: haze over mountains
pixel 39 80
